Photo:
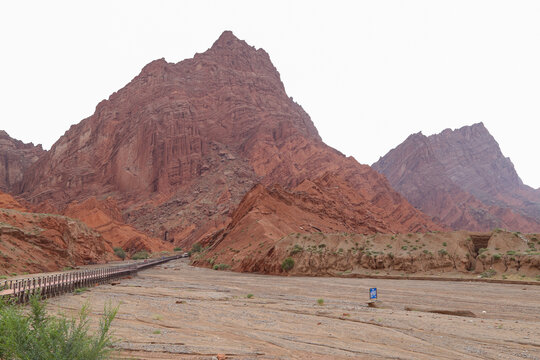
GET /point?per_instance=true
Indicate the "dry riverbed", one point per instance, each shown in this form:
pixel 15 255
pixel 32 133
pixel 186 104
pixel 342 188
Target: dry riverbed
pixel 175 311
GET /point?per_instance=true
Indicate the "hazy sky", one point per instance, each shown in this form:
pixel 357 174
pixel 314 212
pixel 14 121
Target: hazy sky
pixel 369 73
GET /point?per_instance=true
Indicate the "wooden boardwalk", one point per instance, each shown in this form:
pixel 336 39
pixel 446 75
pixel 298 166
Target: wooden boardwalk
pixel 56 284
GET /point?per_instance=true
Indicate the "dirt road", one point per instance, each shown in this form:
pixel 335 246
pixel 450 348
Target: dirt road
pixel 175 311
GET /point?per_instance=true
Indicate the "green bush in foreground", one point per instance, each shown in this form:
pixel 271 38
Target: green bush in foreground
pixel 35 335
pixel 140 255
pixel 287 264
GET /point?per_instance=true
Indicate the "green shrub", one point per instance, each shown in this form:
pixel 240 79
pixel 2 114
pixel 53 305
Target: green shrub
pixel 249 296
pixel 443 252
pixel 404 247
pixel 296 249
pixel 320 302
pixel 511 252
pixel 496 256
pixel 287 264
pixel 35 335
pixel 196 248
pixel 118 251
pixel 221 266
pixel 177 249
pixel 140 255
pixel 444 243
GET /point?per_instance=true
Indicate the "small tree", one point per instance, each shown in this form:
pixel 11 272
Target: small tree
pixel 287 264
pixel 197 247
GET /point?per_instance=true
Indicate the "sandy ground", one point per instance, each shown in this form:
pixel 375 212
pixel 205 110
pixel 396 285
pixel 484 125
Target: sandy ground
pixel 175 311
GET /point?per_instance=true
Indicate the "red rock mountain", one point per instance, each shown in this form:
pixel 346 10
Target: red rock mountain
pixel 181 144
pixel 15 158
pixel 463 180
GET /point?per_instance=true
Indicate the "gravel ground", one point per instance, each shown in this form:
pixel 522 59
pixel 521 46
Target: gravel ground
pixel 175 311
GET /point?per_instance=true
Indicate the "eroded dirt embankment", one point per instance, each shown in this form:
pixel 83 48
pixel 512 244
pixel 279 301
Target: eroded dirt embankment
pixel 500 254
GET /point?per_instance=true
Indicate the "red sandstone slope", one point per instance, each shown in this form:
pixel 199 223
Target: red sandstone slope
pixel 462 179
pixel 35 242
pixel 105 217
pixel 15 158
pixel 181 144
pixel 326 204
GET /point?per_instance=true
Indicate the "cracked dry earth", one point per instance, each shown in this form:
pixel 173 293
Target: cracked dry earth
pixel 175 311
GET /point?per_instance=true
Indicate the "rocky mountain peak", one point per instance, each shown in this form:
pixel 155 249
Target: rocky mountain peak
pixel 462 178
pixel 16 157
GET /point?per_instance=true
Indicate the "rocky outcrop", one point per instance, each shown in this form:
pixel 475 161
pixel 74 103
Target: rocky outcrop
pixel 462 179
pixel 327 204
pixel 104 217
pixel 15 158
pixel 38 242
pixel 181 144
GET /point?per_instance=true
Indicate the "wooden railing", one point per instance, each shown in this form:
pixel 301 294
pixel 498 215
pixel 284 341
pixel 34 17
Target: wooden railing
pixel 56 284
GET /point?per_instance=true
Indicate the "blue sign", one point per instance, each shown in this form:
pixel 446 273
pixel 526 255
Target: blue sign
pixel 372 293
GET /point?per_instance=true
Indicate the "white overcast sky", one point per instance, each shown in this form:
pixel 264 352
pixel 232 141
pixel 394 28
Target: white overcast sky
pixel 369 73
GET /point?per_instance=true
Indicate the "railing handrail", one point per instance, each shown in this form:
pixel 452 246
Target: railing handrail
pixel 53 284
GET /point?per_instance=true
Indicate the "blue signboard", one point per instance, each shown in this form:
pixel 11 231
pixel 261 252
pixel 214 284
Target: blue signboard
pixel 373 293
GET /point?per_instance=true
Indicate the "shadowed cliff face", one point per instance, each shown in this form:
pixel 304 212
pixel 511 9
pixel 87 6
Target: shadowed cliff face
pixel 181 144
pixel 15 158
pixel 462 179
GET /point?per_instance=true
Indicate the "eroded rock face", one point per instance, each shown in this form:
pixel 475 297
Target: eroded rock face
pixel 328 204
pixel 15 158
pixel 181 144
pixel 462 179
pixel 104 217
pixel 38 242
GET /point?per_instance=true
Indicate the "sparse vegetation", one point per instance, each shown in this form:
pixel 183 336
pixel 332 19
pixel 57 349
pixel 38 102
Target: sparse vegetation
pixel 221 266
pixel 510 252
pixel 140 255
pixel 287 264
pixel 443 252
pixel 296 249
pixel 249 296
pixel 35 335
pixel 496 257
pixel 156 332
pixel 118 251
pixel 79 291
pixel 320 302
pixel 488 274
pixel 444 243
pixel 177 249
